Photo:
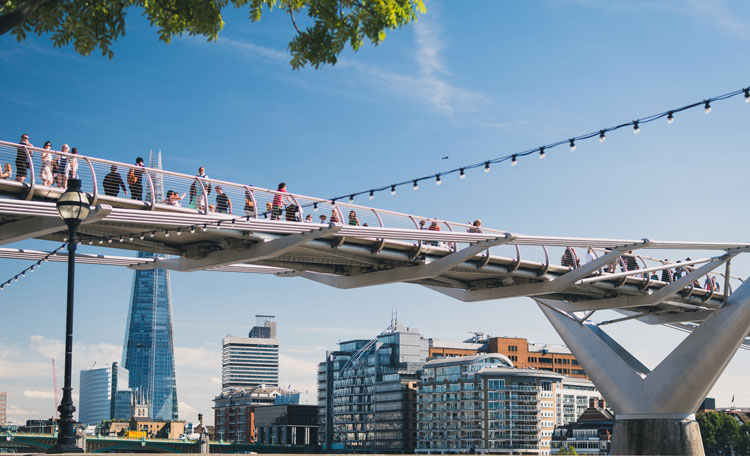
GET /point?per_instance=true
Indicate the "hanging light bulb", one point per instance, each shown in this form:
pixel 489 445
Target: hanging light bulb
pixel 23 274
pixel 572 144
pixel 15 278
pixel 437 180
pixel 153 233
pixel 602 138
pixel 372 194
pixel 166 233
pixel 416 186
pixel 140 237
pixel 192 229
pixel 486 167
pixel 393 190
pixel 109 240
pixel 707 107
pixel 101 241
pixel 179 230
pixel 130 238
pixel 670 117
pixel 65 239
pixel 122 238
pixel 31 269
pixel 204 227
pixel 315 207
pixel 462 174
pixel 747 95
pixel 541 153
pixel 333 202
pixel 91 241
pixel 636 127
pixel 351 199
pixel 514 160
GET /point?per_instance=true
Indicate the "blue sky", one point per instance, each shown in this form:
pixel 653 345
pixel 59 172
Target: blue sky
pixel 470 81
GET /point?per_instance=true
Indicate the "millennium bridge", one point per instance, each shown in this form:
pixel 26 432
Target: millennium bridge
pixel 271 232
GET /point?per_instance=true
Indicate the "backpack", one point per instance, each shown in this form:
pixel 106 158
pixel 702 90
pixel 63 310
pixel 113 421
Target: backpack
pixel 132 178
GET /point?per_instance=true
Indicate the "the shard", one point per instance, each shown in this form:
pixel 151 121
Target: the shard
pixel 148 351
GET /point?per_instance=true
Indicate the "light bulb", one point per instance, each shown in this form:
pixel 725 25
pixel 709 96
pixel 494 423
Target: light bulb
pixel 31 269
pixel 670 118
pixel 572 144
pixel 486 167
pixel 101 241
pixel 179 230
pixel 140 237
pixel 204 227
pixel 393 190
pixel 192 229
pixel 333 202
pixel 514 160
pixel 91 241
pixel 351 199
pixel 462 174
pixel 707 107
pixel 636 128
pixel 372 194
pixel 437 180
pixel 416 186
pixel 166 233
pixel 315 207
pixel 602 138
pixel 121 239
pixel 130 238
pixel 541 153
pixel 747 95
pixel 153 233
pixel 109 240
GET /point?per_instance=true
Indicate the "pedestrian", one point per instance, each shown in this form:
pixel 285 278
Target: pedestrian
pixel 7 171
pixel 322 218
pixel 45 173
pixel 174 198
pixel 223 203
pixel 135 180
pixel 570 258
pixel 197 188
pixel 434 227
pixel 278 202
pixel 308 218
pixel 334 216
pixel 475 227
pixel 353 220
pixel 269 210
pixel 113 182
pixel 71 169
pixel 249 203
pixel 22 158
pixel 590 255
pixel 422 224
pixel 60 163
pixel 666 274
pixel 631 264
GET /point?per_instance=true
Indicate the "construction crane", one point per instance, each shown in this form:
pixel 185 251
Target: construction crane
pixel 54 381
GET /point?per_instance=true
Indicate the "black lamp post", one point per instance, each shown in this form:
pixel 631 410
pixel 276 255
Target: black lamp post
pixel 73 207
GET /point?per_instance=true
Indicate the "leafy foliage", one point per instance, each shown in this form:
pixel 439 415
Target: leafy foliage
pixel 92 24
pixel 720 433
pixel 742 448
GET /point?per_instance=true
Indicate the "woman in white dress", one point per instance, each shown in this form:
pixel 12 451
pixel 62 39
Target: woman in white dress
pixel 46 172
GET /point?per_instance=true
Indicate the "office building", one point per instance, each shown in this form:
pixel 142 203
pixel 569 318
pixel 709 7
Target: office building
pixel 234 410
pixel 148 352
pixel 549 357
pixel 481 403
pixel 367 392
pixel 573 398
pixel 287 424
pixel 253 360
pixel 98 393
pixel 3 408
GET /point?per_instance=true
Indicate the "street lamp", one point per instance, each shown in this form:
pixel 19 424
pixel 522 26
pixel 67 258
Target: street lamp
pixel 73 207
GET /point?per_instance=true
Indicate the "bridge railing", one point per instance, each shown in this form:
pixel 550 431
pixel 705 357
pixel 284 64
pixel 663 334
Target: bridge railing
pixel 202 197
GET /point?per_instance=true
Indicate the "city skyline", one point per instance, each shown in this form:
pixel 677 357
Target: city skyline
pixel 467 84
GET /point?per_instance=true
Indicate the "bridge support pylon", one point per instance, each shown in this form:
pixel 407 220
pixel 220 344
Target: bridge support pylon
pixel 655 410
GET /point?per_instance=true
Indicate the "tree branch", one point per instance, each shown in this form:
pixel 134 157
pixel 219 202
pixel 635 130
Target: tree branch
pixel 25 8
pixel 294 23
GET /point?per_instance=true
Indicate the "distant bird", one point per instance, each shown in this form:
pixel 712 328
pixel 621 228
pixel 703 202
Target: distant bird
pixel 445 158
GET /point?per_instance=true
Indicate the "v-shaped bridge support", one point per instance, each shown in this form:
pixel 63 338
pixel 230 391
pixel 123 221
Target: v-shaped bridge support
pixel 655 409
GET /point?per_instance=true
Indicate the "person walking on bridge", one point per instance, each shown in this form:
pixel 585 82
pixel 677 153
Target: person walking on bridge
pixel 112 183
pixel 135 180
pixel 22 159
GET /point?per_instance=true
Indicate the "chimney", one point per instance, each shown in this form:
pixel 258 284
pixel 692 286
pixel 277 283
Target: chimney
pixel 601 404
pixel 200 419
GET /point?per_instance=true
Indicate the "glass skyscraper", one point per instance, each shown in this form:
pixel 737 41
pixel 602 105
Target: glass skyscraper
pixel 148 351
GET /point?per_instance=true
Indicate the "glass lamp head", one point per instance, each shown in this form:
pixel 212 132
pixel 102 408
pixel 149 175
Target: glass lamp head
pixel 73 205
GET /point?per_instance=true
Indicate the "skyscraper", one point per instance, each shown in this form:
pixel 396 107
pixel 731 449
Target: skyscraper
pixel 254 360
pixel 148 351
pixel 3 404
pixel 99 393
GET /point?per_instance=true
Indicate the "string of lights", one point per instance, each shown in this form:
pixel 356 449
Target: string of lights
pixel 31 268
pixel 543 150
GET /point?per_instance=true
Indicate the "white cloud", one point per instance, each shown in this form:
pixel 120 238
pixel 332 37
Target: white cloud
pixel 202 358
pixel 187 412
pixel 253 50
pixel 51 348
pixel 216 380
pixel 19 414
pixel 37 394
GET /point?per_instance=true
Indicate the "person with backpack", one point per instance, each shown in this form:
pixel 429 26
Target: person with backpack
pixel 135 180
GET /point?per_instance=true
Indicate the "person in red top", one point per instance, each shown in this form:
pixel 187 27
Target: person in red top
pixel 278 202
